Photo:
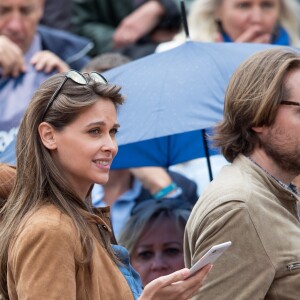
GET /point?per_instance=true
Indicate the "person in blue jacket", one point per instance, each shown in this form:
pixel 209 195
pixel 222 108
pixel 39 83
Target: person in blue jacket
pixel 29 54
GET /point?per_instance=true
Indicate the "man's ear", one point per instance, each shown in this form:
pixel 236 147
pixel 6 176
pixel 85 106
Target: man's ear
pixel 258 129
pixel 47 135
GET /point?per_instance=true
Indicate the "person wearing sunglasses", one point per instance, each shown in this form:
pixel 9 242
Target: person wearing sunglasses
pixel 153 235
pixel 252 202
pixel 54 244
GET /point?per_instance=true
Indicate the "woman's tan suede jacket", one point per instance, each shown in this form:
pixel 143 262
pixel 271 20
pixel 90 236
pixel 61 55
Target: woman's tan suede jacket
pixel 43 262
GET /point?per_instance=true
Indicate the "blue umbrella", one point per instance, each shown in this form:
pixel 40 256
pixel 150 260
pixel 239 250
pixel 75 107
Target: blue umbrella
pixel 170 97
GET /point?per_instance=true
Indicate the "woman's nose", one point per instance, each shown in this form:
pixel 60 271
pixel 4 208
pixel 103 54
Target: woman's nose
pixel 256 15
pixel 110 144
pixel 159 263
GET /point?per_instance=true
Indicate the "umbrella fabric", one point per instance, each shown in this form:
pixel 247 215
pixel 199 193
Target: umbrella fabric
pixel 163 151
pixel 171 96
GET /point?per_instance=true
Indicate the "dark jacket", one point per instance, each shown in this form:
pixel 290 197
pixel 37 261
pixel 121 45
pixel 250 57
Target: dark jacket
pixel 188 186
pixel 98 19
pixel 71 48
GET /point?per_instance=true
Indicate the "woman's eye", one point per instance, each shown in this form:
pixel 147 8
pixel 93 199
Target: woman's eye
pixel 95 131
pixel 243 5
pixel 268 4
pixel 172 251
pixel 114 131
pixel 145 255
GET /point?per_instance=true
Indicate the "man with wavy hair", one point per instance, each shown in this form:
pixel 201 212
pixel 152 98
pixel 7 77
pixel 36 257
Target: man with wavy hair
pixel 252 201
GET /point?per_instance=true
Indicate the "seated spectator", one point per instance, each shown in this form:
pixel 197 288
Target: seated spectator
pixel 154 237
pixel 273 22
pixel 29 54
pixel 57 14
pixel 133 27
pixel 127 187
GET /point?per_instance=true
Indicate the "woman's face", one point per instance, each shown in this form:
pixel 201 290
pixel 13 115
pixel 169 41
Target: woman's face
pixel 86 147
pixel 249 20
pixel 159 251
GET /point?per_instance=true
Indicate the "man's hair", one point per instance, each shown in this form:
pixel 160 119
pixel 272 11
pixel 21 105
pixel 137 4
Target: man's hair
pixel 254 93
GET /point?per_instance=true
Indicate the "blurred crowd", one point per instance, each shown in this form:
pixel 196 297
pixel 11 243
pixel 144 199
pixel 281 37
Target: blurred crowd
pixel 150 206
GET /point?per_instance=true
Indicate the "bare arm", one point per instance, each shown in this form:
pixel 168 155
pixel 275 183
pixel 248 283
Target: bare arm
pixel 138 23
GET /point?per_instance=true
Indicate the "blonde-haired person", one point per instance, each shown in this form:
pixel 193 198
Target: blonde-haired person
pixel 251 21
pixel 54 245
pixel 153 235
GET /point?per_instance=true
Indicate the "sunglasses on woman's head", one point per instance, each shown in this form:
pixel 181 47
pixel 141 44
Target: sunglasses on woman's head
pixel 78 78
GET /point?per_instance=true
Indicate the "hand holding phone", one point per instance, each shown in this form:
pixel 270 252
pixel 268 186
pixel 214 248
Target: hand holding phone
pixel 209 257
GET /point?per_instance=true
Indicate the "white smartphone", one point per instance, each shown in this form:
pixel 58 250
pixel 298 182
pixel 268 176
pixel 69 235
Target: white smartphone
pixel 209 257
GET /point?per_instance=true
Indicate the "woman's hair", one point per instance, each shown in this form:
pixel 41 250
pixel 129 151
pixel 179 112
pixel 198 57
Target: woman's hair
pixel 203 24
pixel 155 211
pixel 39 180
pixel 253 95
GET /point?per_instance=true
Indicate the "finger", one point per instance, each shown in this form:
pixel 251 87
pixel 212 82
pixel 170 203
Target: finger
pixel 41 64
pixel 62 66
pixel 173 277
pixel 193 283
pixel 249 35
pixel 12 62
pixel 263 39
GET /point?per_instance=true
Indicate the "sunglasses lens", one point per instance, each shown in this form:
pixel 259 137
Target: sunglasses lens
pixel 98 78
pixel 76 77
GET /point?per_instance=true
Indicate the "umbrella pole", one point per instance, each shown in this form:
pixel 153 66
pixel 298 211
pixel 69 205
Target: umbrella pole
pixel 184 19
pixel 207 154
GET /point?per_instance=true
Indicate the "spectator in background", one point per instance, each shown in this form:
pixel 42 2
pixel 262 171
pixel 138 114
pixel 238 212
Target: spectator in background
pixel 252 202
pixel 253 21
pixel 29 53
pixel 57 14
pixel 128 187
pixel 154 237
pixel 132 27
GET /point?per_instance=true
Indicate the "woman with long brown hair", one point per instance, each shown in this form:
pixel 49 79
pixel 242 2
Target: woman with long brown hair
pixel 54 245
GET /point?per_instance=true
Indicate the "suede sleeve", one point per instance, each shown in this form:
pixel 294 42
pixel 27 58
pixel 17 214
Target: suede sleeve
pixel 244 271
pixel 43 262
